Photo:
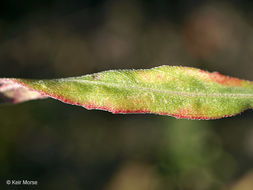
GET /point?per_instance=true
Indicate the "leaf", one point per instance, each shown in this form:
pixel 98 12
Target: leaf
pixel 181 92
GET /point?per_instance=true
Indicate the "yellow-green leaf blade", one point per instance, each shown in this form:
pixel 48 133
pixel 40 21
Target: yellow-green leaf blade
pixel 178 91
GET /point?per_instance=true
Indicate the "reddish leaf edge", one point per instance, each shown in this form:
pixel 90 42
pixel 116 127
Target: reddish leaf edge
pixel 114 111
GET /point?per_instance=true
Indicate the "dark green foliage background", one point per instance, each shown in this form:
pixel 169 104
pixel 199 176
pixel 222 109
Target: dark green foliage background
pixel 63 146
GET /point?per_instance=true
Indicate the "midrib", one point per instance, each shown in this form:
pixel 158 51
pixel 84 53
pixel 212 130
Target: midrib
pixel 169 92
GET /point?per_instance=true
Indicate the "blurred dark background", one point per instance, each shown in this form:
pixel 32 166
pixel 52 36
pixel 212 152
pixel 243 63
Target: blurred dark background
pixel 67 147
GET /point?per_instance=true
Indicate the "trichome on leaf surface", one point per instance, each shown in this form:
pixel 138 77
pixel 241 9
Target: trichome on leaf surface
pixel 182 92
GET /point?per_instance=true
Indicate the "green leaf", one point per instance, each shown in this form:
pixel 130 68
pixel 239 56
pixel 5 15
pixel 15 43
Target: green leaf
pixel 181 92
